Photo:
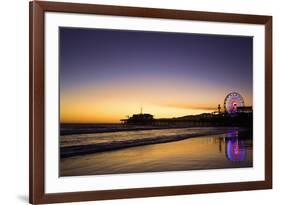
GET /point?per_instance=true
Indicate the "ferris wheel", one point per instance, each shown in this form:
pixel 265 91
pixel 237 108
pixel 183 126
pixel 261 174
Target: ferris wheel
pixel 232 101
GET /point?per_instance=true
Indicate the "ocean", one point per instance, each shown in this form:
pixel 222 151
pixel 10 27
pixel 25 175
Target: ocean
pixel 155 150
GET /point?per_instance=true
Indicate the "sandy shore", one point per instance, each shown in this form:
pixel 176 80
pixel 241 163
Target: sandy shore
pixel 197 153
pixel 81 149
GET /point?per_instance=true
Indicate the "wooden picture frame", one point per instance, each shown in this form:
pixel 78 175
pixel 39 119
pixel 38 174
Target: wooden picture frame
pixel 37 150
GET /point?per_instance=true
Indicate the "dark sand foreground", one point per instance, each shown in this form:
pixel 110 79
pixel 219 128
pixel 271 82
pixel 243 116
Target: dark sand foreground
pixel 202 152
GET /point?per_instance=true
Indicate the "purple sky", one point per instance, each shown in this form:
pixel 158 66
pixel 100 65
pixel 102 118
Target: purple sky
pixel 92 59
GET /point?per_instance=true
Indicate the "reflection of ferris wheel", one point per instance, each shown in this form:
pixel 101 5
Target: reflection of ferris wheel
pixel 232 101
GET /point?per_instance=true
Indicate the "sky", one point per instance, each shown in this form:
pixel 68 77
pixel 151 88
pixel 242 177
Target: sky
pixel 107 75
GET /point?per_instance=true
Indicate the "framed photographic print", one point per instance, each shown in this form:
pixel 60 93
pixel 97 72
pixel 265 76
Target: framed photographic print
pixel 140 102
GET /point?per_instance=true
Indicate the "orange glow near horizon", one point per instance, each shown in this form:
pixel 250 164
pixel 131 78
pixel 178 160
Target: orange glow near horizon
pixel 112 103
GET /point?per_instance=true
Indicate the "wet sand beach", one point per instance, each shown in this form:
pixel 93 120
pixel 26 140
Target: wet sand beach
pixel 231 149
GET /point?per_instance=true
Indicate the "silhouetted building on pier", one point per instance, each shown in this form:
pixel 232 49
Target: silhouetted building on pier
pixel 140 119
pixel 245 109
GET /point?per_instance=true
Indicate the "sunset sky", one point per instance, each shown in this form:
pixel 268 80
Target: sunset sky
pixel 107 75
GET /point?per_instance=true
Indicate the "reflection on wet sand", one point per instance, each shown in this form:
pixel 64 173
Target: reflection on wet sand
pixel 230 150
pixel 235 149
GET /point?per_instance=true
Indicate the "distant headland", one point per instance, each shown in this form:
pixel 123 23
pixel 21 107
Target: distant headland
pixel 235 114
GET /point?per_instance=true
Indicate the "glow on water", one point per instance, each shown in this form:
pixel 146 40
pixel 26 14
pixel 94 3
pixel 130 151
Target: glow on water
pixel 228 150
